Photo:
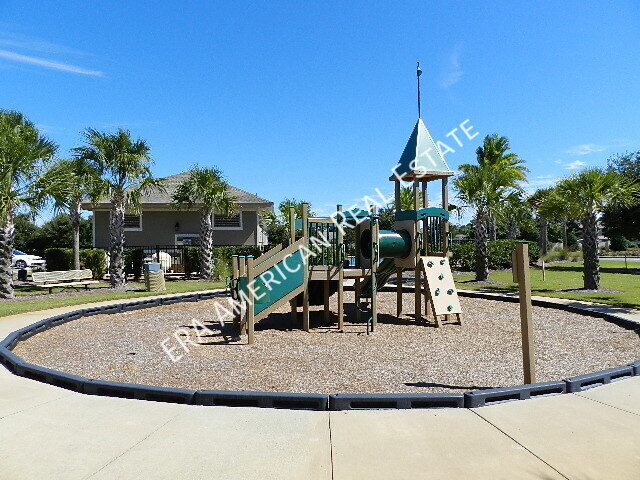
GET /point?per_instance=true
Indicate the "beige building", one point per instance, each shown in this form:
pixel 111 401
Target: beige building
pixel 160 224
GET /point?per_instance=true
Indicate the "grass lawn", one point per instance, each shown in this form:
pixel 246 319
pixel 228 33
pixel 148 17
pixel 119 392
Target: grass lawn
pixel 101 294
pixel 613 276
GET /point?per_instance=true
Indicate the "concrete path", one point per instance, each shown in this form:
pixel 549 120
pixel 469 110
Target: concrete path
pixel 50 433
pixel 622 259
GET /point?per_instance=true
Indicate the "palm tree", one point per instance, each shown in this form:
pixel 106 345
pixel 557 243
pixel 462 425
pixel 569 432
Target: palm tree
pixel 24 154
pixel 83 181
pixel 277 223
pixel 205 186
pixel 484 189
pixel 517 212
pixel 550 207
pixel 284 205
pixel 539 202
pixel 584 196
pixel 124 165
pixel 494 154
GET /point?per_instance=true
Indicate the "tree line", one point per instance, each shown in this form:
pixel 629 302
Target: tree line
pixel 493 188
pixel 117 167
pixel 111 166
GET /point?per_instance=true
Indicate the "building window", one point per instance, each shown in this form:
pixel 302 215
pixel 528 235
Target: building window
pixel 192 239
pixel 222 222
pixel 132 222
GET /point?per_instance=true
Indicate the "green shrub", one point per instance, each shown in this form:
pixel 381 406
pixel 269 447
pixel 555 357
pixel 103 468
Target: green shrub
pixel 463 256
pixel 572 240
pixel 191 260
pixel 575 256
pixel 498 253
pixel 133 260
pixel 619 243
pixel 94 259
pixel 220 269
pixel 557 254
pixel 59 258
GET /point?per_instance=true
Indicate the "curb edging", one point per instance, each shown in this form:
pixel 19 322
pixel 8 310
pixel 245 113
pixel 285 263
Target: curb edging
pixel 296 401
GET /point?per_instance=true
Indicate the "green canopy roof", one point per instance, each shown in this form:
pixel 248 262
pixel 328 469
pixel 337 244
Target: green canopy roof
pixel 421 157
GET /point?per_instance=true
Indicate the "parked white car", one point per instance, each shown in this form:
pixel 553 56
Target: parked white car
pixel 23 260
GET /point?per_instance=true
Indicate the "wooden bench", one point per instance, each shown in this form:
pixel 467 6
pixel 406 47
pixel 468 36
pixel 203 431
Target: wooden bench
pixel 64 279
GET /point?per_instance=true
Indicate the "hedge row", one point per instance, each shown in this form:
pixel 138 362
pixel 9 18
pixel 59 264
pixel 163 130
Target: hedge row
pixel 62 259
pixel 95 259
pixel 499 254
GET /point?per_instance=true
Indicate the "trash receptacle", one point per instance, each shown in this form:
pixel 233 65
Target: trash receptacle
pixel 153 277
pixel 22 275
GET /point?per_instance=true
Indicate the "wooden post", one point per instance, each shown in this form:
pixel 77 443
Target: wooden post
pixel 526 320
pixel 425 222
pixel 250 309
pixel 340 274
pixel 234 278
pixel 326 295
pixel 445 224
pixel 356 289
pixel 292 224
pixel 292 238
pixel 445 229
pixel 305 293
pixel 398 291
pixel 514 267
pixel 544 273
pixel 375 227
pixel 417 288
pixel 398 269
pixel 242 272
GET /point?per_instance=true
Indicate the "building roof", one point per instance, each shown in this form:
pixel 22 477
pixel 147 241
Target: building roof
pixel 421 157
pixel 159 199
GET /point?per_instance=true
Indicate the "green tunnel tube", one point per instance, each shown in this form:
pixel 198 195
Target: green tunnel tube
pixel 392 243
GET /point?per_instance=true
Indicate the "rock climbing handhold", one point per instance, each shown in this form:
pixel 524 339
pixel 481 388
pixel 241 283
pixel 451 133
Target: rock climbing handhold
pixel 443 261
pixel 429 264
pixel 449 308
pixel 450 291
pixel 441 276
pixel 437 292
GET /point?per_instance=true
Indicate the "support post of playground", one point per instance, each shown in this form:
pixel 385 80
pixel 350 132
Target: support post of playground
pixel 417 268
pixel 521 267
pixel 305 293
pixel 399 270
pixel 341 259
pixel 292 238
pixel 375 227
pixel 250 306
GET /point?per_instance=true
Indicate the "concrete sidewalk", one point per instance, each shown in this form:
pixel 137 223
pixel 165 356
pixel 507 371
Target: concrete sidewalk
pixel 50 433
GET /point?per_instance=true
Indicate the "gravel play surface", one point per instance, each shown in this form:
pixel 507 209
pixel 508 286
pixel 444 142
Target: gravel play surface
pixel 400 357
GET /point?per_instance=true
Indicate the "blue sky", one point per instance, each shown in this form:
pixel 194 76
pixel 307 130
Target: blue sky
pixel 316 100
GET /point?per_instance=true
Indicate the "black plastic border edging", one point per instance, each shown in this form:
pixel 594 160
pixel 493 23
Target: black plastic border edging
pixel 590 380
pixel 291 401
pixel 481 398
pixel 395 401
pixel 303 401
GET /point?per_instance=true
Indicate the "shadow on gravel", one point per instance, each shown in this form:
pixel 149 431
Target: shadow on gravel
pixel 444 385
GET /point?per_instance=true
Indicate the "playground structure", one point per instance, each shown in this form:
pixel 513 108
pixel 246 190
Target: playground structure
pixel 312 265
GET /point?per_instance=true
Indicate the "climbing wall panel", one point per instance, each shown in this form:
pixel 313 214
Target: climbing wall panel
pixel 439 282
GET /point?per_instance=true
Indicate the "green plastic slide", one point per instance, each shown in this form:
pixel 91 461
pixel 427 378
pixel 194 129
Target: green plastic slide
pixel 385 270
